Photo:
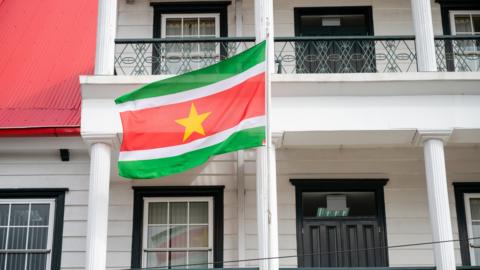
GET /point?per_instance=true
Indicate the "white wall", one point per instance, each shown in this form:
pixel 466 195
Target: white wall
pixel 390 17
pixel 43 169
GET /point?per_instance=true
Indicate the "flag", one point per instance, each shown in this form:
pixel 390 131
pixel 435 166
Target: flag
pixel 176 124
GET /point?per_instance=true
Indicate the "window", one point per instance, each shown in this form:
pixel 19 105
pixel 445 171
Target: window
pixel 175 226
pixel 472 213
pixel 178 232
pixel 31 224
pixel 468 52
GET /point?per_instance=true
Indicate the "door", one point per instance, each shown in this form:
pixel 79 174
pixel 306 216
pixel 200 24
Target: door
pixel 472 214
pixel 341 228
pixel 334 55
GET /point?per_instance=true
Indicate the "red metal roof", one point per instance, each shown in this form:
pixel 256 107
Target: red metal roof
pixel 44 46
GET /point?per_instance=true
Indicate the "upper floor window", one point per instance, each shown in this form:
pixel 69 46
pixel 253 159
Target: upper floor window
pixel 465 22
pixel 190 25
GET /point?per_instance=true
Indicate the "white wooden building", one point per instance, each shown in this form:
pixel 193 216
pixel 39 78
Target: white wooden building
pixel 376 127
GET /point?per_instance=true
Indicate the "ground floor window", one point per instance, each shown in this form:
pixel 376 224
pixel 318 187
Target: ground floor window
pixel 467 202
pixel 178 232
pixel 177 227
pixel 30 229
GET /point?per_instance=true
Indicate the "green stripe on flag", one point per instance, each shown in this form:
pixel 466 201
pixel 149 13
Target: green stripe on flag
pixel 155 168
pixel 201 77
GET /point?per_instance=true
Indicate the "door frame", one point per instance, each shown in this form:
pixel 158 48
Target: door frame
pixel 338 185
pixel 341 10
pixel 461 189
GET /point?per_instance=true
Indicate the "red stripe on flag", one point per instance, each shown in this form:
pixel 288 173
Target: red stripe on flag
pixel 156 127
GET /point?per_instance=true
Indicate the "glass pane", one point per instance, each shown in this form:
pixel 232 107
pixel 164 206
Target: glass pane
pixel 19 215
pixel 178 259
pixel 17 238
pixel 173 27
pixel 207 26
pixel 2 260
pixel 198 236
pixel 178 213
pixel 156 259
pixel 462 23
pixel 198 259
pixel 475 208
pixel 476 22
pixel 37 238
pixel 39 214
pixel 178 236
pixel 37 262
pixel 190 27
pixel 476 242
pixel 3 214
pixel 339 204
pixel 15 261
pixel 157 213
pixel 3 238
pixel 157 237
pixel 199 213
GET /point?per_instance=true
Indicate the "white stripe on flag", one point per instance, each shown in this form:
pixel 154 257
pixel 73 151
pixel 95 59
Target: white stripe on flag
pixel 171 151
pixel 193 93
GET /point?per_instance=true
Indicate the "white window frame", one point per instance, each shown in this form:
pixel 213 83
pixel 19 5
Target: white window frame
pixel 51 219
pixel 468 216
pixel 189 16
pixel 453 13
pixel 147 200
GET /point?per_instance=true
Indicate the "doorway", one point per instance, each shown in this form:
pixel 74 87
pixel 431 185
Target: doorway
pixel 341 223
pixel 334 55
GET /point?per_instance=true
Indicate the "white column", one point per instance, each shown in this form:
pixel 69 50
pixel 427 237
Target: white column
pixel 106 32
pixel 100 156
pixel 424 39
pixel 438 203
pixel 262 207
pixel 241 207
pixel 239 18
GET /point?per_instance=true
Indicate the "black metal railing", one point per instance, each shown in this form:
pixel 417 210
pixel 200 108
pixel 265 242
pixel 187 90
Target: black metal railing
pixel 173 56
pixel 359 54
pixel 458 53
pixel 365 54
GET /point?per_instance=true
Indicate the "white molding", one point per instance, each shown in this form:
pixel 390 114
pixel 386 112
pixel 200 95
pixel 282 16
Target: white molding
pixel 421 136
pixel 36 143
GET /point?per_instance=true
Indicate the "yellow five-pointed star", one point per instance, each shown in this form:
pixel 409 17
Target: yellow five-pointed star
pixel 193 123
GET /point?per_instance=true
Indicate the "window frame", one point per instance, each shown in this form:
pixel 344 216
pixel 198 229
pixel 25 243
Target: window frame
pixel 57 197
pixel 452 15
pixel 148 200
pixel 190 16
pixel 143 192
pixel 447 6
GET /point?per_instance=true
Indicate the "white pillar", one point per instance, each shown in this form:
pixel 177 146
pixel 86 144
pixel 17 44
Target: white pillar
pixel 241 207
pixel 438 203
pixel 100 155
pixel 106 32
pixel 424 39
pixel 239 18
pixel 262 207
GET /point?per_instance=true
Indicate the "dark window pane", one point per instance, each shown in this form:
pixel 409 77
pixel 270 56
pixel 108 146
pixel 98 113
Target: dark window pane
pixel 2 260
pixel 17 238
pixel 178 213
pixel 39 214
pixel 476 23
pixel 36 261
pixel 3 239
pixel 19 215
pixel 15 261
pixel 4 214
pixel 37 238
pixel 178 236
pixel 198 212
pixel 157 213
pixel 339 204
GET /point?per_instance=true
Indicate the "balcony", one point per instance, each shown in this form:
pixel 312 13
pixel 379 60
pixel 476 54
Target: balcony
pixel 365 54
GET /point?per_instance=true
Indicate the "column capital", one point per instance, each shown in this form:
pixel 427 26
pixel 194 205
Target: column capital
pixel 110 139
pixel 422 135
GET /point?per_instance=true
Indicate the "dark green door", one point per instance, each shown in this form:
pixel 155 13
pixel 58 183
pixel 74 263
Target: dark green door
pixel 335 55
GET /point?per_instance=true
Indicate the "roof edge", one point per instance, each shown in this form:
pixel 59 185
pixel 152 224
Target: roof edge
pixel 41 132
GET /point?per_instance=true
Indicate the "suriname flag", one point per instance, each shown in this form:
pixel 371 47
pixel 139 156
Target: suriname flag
pixel 173 125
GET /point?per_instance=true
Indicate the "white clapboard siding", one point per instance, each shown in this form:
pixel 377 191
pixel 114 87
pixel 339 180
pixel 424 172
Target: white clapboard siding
pixel 390 17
